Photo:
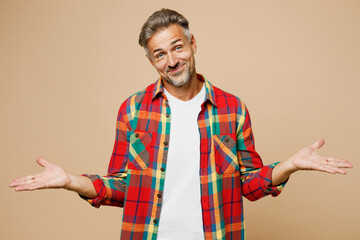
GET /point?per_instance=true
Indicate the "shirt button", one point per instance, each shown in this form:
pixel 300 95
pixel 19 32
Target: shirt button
pixel 166 143
pixel 162 169
pixel 155 221
pixel 159 195
pixel 167 115
pixel 137 135
pixel 227 140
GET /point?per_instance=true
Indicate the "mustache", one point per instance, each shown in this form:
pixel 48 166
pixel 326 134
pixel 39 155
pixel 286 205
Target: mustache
pixel 168 68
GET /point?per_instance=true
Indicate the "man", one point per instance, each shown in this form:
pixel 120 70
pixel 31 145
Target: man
pixel 184 151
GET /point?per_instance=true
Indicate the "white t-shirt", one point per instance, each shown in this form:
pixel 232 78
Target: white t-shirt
pixel 181 214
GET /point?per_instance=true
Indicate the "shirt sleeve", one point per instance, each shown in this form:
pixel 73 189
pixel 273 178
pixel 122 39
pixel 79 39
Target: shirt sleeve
pixel 255 177
pixel 111 188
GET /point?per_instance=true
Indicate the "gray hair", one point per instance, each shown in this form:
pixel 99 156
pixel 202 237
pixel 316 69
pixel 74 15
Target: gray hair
pixel 160 20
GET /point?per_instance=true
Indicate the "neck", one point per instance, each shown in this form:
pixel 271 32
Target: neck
pixel 187 91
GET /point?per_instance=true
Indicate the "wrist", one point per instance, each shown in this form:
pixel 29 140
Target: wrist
pixel 71 183
pixel 81 185
pixel 290 166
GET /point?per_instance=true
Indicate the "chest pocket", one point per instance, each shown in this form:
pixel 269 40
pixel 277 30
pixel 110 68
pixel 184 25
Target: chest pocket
pixel 226 160
pixel 139 150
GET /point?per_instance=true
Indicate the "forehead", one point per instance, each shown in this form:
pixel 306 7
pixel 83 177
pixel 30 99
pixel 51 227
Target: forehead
pixel 165 37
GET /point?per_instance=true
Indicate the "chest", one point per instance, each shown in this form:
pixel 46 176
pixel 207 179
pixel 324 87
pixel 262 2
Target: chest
pixel 154 127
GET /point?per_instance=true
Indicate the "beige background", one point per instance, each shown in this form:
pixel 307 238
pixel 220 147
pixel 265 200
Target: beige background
pixel 66 66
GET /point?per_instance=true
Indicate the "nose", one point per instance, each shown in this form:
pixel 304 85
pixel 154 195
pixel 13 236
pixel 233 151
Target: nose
pixel 172 60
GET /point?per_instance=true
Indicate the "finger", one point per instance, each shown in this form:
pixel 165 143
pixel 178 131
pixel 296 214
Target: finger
pixel 42 162
pixel 318 144
pixel 336 169
pixel 336 162
pixel 30 187
pixel 330 169
pixel 32 184
pixel 323 168
pixel 22 183
pixel 19 180
pixel 340 162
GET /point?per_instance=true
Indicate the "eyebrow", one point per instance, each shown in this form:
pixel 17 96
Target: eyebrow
pixel 172 43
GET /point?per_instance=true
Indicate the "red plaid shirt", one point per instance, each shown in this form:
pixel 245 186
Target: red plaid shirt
pixel 229 165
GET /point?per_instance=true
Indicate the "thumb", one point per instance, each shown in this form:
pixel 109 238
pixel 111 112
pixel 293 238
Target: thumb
pixel 318 144
pixel 42 162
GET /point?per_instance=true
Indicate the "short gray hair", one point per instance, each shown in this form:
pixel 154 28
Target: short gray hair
pixel 160 20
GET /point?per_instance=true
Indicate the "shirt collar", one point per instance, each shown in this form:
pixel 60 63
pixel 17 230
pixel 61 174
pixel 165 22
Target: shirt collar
pixel 210 96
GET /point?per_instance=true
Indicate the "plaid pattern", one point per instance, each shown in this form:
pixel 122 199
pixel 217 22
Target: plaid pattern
pixel 229 165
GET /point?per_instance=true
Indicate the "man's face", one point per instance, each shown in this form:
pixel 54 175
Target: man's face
pixel 172 55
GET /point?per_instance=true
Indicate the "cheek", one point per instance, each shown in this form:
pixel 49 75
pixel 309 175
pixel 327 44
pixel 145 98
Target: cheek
pixel 186 56
pixel 160 66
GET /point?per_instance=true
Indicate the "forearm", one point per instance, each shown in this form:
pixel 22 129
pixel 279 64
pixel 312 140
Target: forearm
pixel 81 185
pixel 282 172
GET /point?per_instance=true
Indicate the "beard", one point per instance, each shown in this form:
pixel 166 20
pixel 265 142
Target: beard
pixel 181 78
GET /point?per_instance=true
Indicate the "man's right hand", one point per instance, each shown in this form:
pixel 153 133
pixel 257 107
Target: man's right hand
pixel 54 177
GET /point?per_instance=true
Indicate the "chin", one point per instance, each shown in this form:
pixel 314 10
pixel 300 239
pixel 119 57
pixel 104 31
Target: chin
pixel 177 84
pixel 178 81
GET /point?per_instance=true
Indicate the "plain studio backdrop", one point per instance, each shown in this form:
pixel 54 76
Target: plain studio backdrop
pixel 66 66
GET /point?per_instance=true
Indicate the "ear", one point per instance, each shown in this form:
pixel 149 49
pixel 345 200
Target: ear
pixel 193 44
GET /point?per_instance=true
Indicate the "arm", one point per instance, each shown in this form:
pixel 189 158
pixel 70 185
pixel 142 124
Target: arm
pixel 259 180
pixel 256 178
pixel 308 159
pixel 97 190
pixel 110 189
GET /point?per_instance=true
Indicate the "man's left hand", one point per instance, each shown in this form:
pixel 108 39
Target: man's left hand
pixel 308 159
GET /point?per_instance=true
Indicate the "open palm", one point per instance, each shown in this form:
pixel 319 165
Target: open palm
pixel 52 177
pixel 308 159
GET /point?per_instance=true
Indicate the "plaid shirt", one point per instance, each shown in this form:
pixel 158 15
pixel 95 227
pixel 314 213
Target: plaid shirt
pixel 229 165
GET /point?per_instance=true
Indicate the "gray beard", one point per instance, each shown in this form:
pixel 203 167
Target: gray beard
pixel 185 79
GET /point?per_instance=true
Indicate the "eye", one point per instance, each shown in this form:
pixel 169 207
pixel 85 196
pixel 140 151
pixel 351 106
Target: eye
pixel 159 56
pixel 178 48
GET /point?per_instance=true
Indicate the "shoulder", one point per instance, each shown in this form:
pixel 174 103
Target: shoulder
pixel 137 99
pixel 227 100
